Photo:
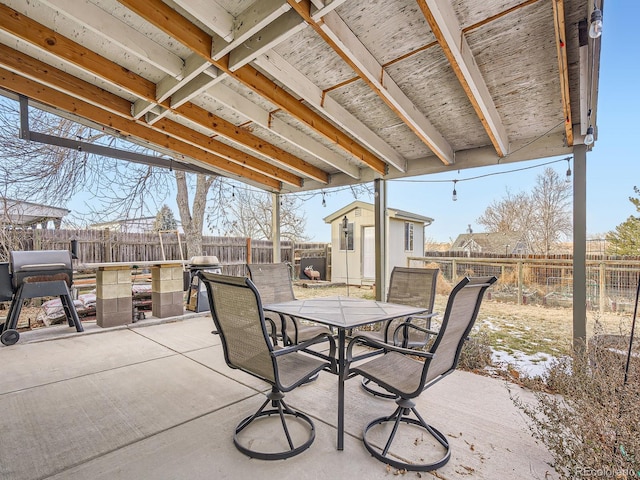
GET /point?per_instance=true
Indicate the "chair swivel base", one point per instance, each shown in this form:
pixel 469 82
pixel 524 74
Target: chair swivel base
pixel 399 416
pixel 281 409
pixel 368 386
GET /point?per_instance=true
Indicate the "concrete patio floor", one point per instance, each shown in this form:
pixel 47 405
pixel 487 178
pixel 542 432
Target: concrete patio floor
pixel 155 400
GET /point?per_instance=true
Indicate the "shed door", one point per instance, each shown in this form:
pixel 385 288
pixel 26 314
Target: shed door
pixel 369 252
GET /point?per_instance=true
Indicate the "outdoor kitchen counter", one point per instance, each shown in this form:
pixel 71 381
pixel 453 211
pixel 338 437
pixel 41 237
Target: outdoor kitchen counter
pixel 114 303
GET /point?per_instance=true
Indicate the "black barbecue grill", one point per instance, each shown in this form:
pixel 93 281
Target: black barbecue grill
pixel 33 274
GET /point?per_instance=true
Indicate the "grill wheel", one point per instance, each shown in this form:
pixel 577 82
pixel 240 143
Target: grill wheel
pixel 9 337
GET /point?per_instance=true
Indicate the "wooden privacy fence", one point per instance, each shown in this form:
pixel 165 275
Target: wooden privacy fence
pixel 611 281
pixel 98 246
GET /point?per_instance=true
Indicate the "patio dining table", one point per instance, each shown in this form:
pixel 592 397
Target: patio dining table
pixel 342 313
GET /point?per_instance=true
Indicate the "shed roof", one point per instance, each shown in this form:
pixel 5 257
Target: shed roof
pixel 24 214
pixel 292 95
pixel 391 213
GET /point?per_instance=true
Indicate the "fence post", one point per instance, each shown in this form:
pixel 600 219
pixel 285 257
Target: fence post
pixel 106 241
pixel 453 271
pixel 37 239
pixel 248 250
pixel 520 282
pixel 603 287
pixel 327 261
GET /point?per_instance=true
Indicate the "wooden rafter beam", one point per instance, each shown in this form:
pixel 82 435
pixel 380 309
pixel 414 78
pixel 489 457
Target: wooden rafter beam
pixel 67 103
pixel 282 28
pixel 279 68
pixel 344 42
pixel 63 82
pixel 228 130
pixel 245 107
pixel 443 23
pixel 561 49
pixel 178 27
pixel 138 45
pixel 198 74
pixel 48 40
pixel 246 24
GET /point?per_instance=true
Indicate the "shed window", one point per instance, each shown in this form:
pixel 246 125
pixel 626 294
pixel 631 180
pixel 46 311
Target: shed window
pixel 408 237
pixel 348 241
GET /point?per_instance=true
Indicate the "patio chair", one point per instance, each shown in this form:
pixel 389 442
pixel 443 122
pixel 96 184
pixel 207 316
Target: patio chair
pixel 237 312
pixel 273 281
pixel 407 286
pixel 399 373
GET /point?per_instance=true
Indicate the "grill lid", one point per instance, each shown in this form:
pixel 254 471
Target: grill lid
pixel 40 266
pixel 204 260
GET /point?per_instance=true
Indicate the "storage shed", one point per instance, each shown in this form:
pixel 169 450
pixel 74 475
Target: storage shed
pixel 353 258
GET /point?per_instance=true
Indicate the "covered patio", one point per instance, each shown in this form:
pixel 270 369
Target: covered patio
pixel 298 95
pixel 120 403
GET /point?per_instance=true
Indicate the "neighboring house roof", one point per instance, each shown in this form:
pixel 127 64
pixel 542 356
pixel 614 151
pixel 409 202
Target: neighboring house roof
pixel 26 214
pixel 391 213
pixel 501 242
pixel 143 224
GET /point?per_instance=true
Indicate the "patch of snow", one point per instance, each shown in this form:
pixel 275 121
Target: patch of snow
pixel 490 325
pixel 527 365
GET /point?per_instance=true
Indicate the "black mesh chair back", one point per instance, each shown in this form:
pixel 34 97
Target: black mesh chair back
pixel 407 286
pixel 237 312
pixel 398 372
pixel 273 281
pixel 415 287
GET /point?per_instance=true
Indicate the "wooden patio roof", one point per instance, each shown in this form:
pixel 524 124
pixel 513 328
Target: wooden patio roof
pixel 294 95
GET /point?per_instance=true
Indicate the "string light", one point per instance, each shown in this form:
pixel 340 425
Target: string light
pixel 595 29
pixel 308 195
pixel 568 170
pixel 588 138
pixel 233 191
pixel 324 202
pixel 454 196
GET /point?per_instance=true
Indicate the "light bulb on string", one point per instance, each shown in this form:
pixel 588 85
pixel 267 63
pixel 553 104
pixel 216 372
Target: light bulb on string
pixel 454 196
pixel 324 202
pixel 568 171
pixel 595 28
pixel 588 138
pixel 233 191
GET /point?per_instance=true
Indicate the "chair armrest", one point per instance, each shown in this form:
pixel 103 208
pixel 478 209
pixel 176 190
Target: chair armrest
pixel 386 347
pixel 406 325
pixel 426 316
pixel 321 337
pixel 274 336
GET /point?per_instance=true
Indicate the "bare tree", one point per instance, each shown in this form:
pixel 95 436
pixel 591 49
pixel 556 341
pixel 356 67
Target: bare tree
pixel 248 213
pixel 551 202
pixel 50 174
pixel 510 214
pixel 542 218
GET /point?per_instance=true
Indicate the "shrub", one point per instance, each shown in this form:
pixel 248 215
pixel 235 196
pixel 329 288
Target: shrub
pixel 590 421
pixel 476 352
